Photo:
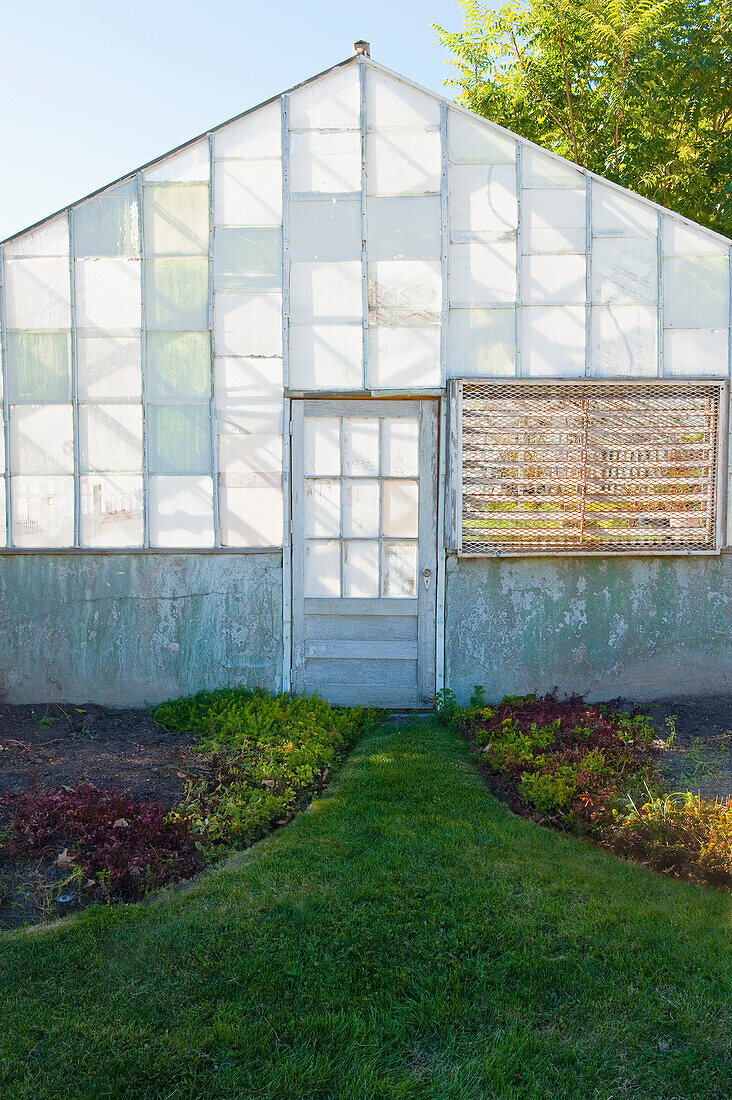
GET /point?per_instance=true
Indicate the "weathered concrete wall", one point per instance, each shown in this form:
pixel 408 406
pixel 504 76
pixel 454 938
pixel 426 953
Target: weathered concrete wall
pixel 133 629
pixel 640 627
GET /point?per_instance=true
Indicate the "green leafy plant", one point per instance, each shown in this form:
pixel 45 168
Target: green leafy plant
pixel 477 699
pixel 271 752
pixel 549 792
pixel 445 706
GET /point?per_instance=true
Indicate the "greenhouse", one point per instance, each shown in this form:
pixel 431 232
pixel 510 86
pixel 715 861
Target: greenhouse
pixel 360 393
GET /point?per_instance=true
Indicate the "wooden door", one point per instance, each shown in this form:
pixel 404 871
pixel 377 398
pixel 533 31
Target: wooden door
pixel 364 535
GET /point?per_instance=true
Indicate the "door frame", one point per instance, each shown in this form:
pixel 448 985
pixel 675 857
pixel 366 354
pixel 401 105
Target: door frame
pixel 430 628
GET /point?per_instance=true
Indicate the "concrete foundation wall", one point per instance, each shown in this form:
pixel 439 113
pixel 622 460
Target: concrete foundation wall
pixel 127 630
pixel 640 627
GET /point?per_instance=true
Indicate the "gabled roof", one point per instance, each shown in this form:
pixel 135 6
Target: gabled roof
pixel 361 59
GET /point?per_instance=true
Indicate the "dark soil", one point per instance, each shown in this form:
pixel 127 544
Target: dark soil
pixel 67 744
pixel 699 757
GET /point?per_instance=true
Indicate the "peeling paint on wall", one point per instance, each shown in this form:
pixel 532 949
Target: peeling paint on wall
pixel 131 630
pixel 640 627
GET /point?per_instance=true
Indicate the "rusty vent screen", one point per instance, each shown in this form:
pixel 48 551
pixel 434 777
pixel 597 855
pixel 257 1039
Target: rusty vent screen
pixel 592 467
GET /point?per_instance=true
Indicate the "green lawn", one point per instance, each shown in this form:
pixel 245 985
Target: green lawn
pixel 405 937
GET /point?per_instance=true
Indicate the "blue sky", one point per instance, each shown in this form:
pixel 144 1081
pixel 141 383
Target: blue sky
pixel 94 88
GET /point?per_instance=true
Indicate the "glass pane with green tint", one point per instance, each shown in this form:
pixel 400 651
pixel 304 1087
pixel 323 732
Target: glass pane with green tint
pixel 39 366
pixel 178 364
pixel 248 259
pixel 176 219
pixel 177 294
pixel 180 439
pixel 108 224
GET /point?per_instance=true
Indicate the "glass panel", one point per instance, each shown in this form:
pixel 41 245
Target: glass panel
pixel 176 220
pixel 360 446
pixel 248 324
pixel 324 230
pixel 624 341
pixel 179 439
pixel 483 198
pixel 322 508
pixel 242 456
pixel 404 292
pixel 108 367
pixel 323 568
pixel 51 238
pixel 178 365
pixel 248 259
pixel 332 102
pixel 555 209
pixel 181 511
pixel 553 339
pixel 248 192
pixel 482 272
pixel 482 341
pixel 177 294
pixel 188 166
pixel 43 511
pixel 540 170
pixel 110 437
pixel 403 357
pixel 404 163
pixel 260 416
pixel 624 271
pixel 37 293
pixel 400 518
pixel 257 134
pixel 325 292
pixel 477 143
pixel 557 279
pixel 251 516
pixel 108 224
pixel 242 380
pixel 696 291
pixel 361 509
pixel 399 447
pixel 326 357
pixel 111 510
pixel 695 352
pixel 404 228
pixel 108 294
pixel 328 162
pixel 680 239
pixel 360 569
pixel 322 446
pixel 617 215
pixel 41 439
pixel 392 103
pixel 400 569
pixel 39 366
pixel 553 239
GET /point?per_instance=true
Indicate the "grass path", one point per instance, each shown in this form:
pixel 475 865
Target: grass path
pixel 406 937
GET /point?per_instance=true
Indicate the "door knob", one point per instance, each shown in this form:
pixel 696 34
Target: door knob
pixel 426 573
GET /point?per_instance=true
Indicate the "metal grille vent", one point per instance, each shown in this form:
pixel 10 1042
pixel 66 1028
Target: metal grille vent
pixel 589 467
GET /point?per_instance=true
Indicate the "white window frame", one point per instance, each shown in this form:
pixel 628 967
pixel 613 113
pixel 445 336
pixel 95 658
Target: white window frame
pixel 454 510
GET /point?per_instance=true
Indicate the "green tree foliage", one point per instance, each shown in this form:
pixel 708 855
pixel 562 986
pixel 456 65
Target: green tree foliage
pixel 636 90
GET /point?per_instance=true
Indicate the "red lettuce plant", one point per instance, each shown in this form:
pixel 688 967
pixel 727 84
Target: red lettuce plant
pixel 127 845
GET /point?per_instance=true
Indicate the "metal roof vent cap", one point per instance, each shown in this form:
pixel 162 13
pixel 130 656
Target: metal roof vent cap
pixel 362 47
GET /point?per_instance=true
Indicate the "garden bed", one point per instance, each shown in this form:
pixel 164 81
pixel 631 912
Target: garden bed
pixel 652 784
pixel 100 805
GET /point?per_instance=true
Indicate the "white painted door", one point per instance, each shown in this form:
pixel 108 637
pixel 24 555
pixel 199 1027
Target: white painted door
pixel 364 523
